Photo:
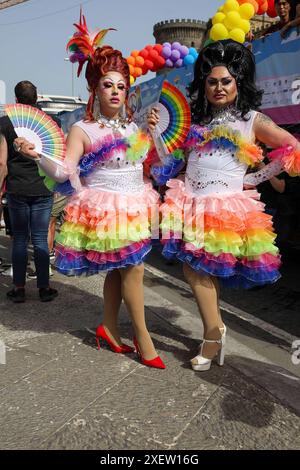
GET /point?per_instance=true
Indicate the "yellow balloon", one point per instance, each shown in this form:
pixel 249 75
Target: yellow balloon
pixel 132 80
pixel 218 32
pixel 231 5
pixel 218 18
pixel 232 20
pixel 221 8
pixel 244 25
pixel 237 35
pixel 246 11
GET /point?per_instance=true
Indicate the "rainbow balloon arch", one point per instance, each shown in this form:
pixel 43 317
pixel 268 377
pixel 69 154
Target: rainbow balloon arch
pixel 231 21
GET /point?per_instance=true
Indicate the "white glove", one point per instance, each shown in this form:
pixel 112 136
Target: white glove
pixel 54 170
pixel 61 172
pixel 272 169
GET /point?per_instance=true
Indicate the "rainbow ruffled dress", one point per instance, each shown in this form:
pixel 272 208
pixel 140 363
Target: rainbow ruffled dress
pixel 209 221
pixel 107 222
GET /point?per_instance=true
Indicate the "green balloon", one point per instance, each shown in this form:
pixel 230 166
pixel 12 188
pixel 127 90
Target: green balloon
pixel 207 42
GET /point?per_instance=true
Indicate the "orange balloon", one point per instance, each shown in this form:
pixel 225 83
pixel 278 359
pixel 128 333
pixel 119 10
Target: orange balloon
pixel 139 61
pixel 135 53
pixel 138 71
pixel 131 69
pixel 262 8
pixel 131 60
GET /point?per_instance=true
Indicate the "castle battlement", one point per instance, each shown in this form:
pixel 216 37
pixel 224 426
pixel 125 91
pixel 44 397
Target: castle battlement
pixel 180 22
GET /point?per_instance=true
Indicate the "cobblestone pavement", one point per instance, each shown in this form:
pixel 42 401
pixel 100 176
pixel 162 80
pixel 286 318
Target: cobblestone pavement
pixel 57 391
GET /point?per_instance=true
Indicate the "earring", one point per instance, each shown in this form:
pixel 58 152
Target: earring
pixel 96 108
pixel 205 105
pixel 237 100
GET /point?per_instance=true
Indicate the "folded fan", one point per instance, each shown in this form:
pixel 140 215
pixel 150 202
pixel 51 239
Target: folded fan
pixel 39 129
pixel 174 119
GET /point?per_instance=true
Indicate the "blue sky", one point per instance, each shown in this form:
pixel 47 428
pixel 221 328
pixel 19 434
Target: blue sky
pixel 33 35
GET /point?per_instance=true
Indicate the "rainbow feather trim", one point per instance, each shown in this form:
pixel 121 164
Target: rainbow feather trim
pixel 290 159
pixel 246 152
pixel 138 146
pixel 135 147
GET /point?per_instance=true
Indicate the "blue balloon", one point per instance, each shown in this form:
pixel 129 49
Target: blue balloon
pixel 193 52
pixel 189 59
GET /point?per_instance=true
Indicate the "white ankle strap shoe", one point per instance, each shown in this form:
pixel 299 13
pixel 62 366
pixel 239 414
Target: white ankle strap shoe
pixel 201 363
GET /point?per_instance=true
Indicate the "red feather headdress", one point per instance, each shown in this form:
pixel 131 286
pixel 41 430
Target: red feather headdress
pixel 83 44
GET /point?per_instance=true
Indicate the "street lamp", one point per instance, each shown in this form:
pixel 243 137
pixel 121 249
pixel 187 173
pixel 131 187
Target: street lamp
pixel 68 60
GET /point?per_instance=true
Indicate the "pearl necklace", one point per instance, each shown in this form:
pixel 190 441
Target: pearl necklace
pixel 113 124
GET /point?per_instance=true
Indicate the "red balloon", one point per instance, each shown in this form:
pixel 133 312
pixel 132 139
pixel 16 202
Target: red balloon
pixel 149 47
pixel 153 55
pixel 144 53
pixel 160 62
pixel 148 64
pixel 271 12
pixel 158 48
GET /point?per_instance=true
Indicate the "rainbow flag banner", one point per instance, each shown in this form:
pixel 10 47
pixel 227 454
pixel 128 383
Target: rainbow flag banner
pixel 278 74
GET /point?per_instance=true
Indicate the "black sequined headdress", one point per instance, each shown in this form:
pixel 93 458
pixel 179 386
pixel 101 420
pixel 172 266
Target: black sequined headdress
pixel 234 56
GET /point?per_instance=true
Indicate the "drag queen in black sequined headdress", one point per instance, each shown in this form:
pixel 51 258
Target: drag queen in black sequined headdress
pixel 210 222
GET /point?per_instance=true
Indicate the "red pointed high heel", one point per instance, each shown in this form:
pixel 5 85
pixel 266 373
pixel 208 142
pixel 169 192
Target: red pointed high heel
pixel 156 362
pixel 101 333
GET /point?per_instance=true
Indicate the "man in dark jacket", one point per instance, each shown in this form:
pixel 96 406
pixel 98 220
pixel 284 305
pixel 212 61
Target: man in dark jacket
pixel 29 203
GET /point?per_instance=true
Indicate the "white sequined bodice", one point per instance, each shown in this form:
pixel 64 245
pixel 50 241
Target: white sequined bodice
pixel 120 180
pixel 103 136
pixel 216 169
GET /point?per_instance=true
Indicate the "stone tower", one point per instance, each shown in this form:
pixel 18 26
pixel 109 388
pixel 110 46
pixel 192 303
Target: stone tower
pixel 188 32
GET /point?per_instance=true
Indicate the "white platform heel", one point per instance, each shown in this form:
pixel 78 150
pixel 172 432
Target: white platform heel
pixel 201 363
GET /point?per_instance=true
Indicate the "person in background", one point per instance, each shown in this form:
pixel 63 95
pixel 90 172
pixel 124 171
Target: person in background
pixel 294 17
pixel 59 203
pixel 289 14
pixel 29 204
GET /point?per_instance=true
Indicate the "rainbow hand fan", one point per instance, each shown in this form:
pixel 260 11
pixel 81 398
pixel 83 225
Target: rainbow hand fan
pixel 38 128
pixel 175 120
